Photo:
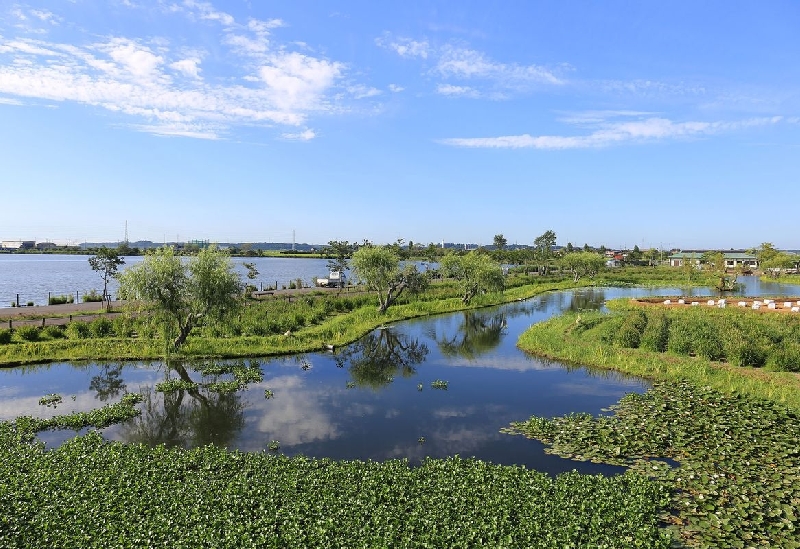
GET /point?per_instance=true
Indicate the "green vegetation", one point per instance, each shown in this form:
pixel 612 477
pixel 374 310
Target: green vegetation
pixel 279 326
pixel 474 272
pixel 738 483
pixel 92 493
pixel 181 296
pixel 439 384
pixel 379 269
pixel 92 297
pixel 106 262
pixel 732 427
pixel 708 346
pixel 60 299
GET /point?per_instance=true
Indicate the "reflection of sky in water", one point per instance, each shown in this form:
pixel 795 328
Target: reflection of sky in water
pixel 314 411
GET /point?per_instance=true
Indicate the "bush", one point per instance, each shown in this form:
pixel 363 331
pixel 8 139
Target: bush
pixel 785 359
pixel 53 332
pixel 656 334
pixel 78 330
pixel 123 326
pixel 630 333
pixel 680 338
pixel 101 327
pixel 28 333
pixel 5 337
pixel 92 297
pixel 60 299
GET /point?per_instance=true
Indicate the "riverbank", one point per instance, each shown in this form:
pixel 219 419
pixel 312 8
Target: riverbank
pixel 730 431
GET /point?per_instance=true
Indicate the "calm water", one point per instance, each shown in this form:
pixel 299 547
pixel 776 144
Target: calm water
pixel 33 276
pixel 364 401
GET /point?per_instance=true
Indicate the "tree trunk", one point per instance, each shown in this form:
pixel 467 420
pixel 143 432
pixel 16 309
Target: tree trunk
pixel 185 330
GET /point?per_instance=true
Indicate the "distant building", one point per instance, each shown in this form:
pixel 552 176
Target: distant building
pixel 46 246
pixel 733 259
pixel 19 244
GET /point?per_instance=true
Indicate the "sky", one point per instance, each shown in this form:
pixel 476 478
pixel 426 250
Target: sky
pixel 657 124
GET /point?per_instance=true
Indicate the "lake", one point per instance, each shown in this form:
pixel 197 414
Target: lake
pixel 371 400
pixel 33 276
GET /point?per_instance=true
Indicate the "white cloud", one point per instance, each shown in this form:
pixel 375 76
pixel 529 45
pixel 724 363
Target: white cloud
pixel 306 135
pixel 163 90
pixel 189 67
pixel 360 91
pixel 449 89
pixel 649 129
pixel 456 65
pixel 404 47
pixel 394 88
pixel 9 101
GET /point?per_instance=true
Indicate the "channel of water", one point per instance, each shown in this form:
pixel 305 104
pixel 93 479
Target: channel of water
pixel 371 400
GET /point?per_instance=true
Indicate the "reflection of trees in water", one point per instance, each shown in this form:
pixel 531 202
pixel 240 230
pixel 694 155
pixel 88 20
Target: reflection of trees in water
pixel 591 299
pixel 378 357
pixel 108 383
pixel 477 334
pixel 187 418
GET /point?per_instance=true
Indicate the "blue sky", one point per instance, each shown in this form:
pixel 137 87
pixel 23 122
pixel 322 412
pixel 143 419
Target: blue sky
pixel 673 124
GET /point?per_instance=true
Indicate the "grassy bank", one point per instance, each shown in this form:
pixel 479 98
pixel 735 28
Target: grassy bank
pixel 733 429
pixel 702 346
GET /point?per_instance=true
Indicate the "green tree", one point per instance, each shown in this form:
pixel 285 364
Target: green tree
pixel 500 242
pixel 776 263
pixel 582 264
pixel 475 273
pixel 341 250
pixel 184 294
pixel 379 269
pixel 544 249
pixel 635 254
pixel 106 262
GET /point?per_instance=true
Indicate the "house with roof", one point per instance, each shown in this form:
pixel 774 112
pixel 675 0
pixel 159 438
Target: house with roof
pixel 734 259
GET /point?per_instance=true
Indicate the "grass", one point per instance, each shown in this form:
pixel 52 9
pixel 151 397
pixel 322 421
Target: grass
pixel 274 327
pixel 732 429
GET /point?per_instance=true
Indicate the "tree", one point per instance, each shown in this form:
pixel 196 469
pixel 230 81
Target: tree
pixel 341 250
pixel 570 248
pixel 184 294
pixel 635 254
pixel 544 249
pixel 475 272
pixel 500 242
pixel 379 269
pixel 583 264
pixel 777 263
pixel 375 359
pixel 106 262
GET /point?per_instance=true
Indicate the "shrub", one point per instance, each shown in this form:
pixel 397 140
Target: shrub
pixel 92 297
pixel 680 338
pixel 78 330
pixel 785 359
pixel 53 332
pixel 5 337
pixel 28 333
pixel 629 334
pixel 707 341
pixel 101 327
pixel 29 304
pixel 656 334
pixel 60 299
pixel 746 353
pixel 123 326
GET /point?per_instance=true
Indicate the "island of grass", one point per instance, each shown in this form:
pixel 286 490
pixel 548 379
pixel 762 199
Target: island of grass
pixel 720 427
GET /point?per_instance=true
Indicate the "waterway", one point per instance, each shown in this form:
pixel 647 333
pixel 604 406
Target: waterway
pixel 371 400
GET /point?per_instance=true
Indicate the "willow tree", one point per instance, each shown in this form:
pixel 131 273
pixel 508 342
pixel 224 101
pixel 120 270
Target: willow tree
pixel 582 264
pixel 183 294
pixel 379 268
pixel 474 272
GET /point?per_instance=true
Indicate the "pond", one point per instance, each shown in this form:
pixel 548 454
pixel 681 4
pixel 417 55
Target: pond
pixel 371 400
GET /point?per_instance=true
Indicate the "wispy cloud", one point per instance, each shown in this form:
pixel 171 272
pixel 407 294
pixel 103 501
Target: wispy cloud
pixel 394 88
pixel 10 101
pixel 466 72
pixel 306 135
pixel 611 133
pixel 170 90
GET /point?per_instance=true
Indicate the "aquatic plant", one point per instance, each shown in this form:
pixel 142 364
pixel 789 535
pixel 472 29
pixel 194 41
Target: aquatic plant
pixel 439 384
pixel 53 399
